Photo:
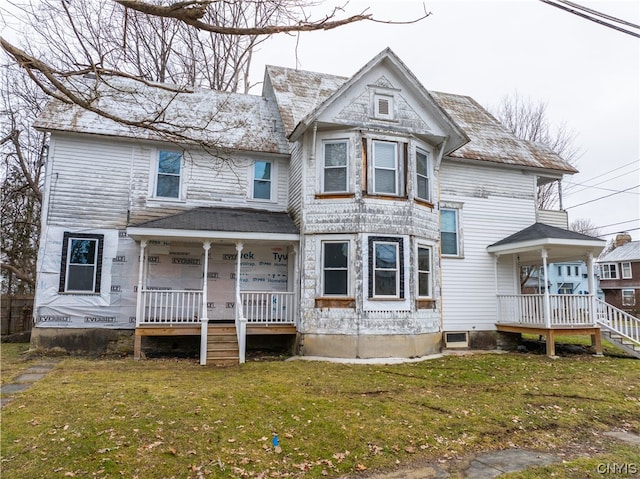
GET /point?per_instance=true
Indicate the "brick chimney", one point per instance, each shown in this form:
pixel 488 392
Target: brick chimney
pixel 622 239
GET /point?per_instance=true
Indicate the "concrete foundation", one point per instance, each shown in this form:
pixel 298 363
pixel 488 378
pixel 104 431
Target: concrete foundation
pixel 370 346
pixel 483 339
pixel 82 341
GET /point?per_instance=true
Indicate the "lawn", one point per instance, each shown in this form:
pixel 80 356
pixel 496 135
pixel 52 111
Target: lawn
pixel 176 419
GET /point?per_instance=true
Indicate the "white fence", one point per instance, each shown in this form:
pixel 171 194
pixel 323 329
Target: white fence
pixel 528 309
pixel 619 321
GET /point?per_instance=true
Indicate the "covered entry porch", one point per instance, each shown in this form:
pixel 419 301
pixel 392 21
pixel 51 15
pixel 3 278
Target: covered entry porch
pixel 534 248
pixel 218 273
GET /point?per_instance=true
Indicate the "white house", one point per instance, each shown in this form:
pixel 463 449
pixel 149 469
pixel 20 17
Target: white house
pixel 364 216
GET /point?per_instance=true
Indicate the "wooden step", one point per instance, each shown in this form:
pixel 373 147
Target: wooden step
pixel 222 345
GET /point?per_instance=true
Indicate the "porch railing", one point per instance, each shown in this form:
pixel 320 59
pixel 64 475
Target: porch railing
pixel 619 321
pixel 528 309
pixel 268 307
pixel 171 306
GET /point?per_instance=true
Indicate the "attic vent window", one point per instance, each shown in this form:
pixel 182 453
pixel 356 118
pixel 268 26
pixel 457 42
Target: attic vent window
pixel 383 106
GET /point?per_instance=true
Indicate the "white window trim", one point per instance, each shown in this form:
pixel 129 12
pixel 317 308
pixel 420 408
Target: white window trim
pixel 429 247
pixel 322 166
pixel 399 170
pixel 273 192
pixel 153 180
pixel 68 237
pixel 323 268
pixel 428 154
pixel 609 267
pixel 458 208
pixel 622 270
pixel 633 297
pixel 350 265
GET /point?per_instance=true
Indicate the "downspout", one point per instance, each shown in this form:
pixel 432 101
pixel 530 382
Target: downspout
pixel 204 319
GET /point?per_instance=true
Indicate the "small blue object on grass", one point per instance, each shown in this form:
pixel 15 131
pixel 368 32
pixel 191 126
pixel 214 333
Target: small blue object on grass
pixel 275 441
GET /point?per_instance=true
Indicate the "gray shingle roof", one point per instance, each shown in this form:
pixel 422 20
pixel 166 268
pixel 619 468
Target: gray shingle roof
pixel 539 231
pixel 226 219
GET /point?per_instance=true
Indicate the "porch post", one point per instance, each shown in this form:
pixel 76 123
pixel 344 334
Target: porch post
pixel 137 340
pixel 296 285
pixel 241 322
pixel 204 319
pixel 547 298
pixel 593 317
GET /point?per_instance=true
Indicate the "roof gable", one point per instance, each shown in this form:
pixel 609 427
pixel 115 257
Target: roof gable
pixel 627 252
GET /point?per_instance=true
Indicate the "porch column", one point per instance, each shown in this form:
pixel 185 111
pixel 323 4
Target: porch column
pixel 204 319
pixel 547 298
pixel 137 340
pixel 241 321
pixel 591 281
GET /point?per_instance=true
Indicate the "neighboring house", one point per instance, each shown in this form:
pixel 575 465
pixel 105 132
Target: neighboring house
pixel 620 274
pixel 366 216
pixel 564 278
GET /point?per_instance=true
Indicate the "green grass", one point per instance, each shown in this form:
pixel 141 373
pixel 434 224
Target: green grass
pixel 13 360
pixel 173 418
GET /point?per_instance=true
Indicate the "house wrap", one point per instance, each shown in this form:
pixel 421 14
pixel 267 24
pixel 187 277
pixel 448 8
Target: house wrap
pixel 355 211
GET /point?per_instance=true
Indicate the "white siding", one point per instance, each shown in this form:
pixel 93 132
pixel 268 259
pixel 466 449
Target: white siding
pixel 496 203
pixel 89 184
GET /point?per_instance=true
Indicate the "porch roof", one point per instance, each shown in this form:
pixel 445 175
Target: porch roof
pixel 560 244
pixel 219 223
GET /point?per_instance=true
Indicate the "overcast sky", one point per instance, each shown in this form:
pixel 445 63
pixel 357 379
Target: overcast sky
pixel 588 74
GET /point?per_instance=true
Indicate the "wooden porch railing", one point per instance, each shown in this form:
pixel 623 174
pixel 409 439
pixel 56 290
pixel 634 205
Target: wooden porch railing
pixel 170 306
pixel 268 307
pixel 528 309
pixel 618 321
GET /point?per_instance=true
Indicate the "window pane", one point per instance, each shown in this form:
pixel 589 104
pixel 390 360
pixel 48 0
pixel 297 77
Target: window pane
pixel 423 188
pixel 262 170
pixel 448 221
pixel 168 186
pixel 336 255
pixel 82 251
pixel 80 278
pixel 169 162
pixel 335 282
pixel 386 256
pixel 421 163
pixel 335 179
pixel 385 181
pixel 384 154
pixel 385 283
pixel 449 243
pixel 424 259
pixel 335 154
pixel 262 190
pixel 423 284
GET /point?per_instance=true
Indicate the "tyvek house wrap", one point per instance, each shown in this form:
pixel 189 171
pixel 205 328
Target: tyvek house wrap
pixel 170 266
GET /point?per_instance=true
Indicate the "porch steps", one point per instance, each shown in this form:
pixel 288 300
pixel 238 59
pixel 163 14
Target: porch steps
pixel 222 345
pixel 623 343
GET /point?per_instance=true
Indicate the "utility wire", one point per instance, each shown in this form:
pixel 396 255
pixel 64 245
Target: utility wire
pixel 602 197
pixel 599 14
pixel 593 19
pixel 616 224
pixel 615 232
pixel 611 171
pixel 594 187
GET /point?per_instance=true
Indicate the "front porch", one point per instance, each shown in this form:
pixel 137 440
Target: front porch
pixel 236 275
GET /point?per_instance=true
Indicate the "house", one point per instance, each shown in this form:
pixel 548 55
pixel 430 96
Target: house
pixel 564 278
pixel 362 217
pixel 620 274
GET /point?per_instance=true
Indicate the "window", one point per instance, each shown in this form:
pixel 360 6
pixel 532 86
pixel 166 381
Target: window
pixel 262 180
pixel 335 268
pixel 626 270
pixel 383 106
pixel 424 272
pixel 422 175
pixel 576 270
pixel 628 297
pixel 81 263
pixel 335 158
pixel 385 167
pixel 559 270
pixel 449 232
pixel 568 270
pixel 168 175
pixel 386 275
pixel 609 271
